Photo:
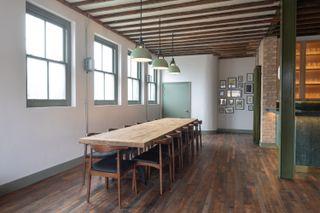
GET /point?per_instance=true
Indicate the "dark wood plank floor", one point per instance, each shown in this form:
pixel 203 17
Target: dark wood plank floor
pixel 229 175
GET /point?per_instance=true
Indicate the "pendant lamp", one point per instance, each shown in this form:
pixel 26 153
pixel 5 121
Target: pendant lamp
pixel 173 67
pixel 140 53
pixel 160 63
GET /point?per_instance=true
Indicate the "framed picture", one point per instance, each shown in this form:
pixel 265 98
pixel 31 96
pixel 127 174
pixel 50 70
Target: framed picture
pixel 234 93
pixel 230 101
pixel 221 110
pixel 240 78
pixel 249 99
pixel 250 107
pixel 249 77
pixel 239 104
pixel 223 102
pixel 222 93
pixel 222 84
pixel 232 83
pixel 240 85
pixel 248 88
pixel 228 110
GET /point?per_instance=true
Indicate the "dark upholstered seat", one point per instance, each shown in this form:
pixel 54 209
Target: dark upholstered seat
pixel 104 154
pixel 109 164
pixel 151 156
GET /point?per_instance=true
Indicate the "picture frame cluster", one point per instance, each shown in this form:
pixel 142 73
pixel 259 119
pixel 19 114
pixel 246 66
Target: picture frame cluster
pixel 235 93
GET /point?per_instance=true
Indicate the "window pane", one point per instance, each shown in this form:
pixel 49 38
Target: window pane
pixel 54 42
pixel 134 69
pixel 129 65
pixel 151 73
pixel 57 81
pixel 34 36
pixel 109 87
pixel 135 88
pixel 97 56
pixel 107 59
pixel 130 89
pixel 36 79
pixel 98 86
pixel 152 92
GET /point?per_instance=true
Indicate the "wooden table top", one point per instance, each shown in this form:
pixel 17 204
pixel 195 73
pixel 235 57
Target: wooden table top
pixel 140 135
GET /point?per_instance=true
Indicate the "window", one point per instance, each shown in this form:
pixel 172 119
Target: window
pixel 152 85
pixel 134 81
pixel 48 55
pixel 105 73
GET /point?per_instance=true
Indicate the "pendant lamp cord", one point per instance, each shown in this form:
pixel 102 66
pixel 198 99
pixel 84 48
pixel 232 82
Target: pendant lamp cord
pixel 172 46
pixel 141 21
pixel 159 49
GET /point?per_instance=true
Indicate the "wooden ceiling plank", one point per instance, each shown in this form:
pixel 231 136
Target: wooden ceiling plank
pixel 207 16
pixel 86 2
pixel 184 13
pixel 158 8
pixel 204 25
pixel 212 31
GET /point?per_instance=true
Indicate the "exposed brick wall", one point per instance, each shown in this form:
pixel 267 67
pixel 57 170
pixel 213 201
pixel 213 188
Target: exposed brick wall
pixel 269 88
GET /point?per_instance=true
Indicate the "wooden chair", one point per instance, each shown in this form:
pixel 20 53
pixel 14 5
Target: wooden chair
pixel 197 134
pixel 191 137
pixel 156 160
pixel 176 150
pixel 95 155
pixel 185 148
pixel 109 168
pixel 200 132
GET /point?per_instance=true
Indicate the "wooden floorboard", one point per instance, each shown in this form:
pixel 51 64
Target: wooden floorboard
pixel 230 174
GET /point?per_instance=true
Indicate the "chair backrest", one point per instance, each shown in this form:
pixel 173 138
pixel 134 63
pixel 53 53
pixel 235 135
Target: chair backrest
pixel 112 129
pixel 127 125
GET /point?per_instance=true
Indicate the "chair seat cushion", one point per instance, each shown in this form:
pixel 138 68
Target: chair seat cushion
pixel 104 154
pixel 110 165
pixel 151 157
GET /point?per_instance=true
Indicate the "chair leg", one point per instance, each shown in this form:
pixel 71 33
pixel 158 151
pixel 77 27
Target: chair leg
pixel 84 171
pixel 173 163
pixel 107 182
pixel 134 180
pixel 161 186
pixel 89 188
pixel 197 139
pixel 200 133
pixel 119 191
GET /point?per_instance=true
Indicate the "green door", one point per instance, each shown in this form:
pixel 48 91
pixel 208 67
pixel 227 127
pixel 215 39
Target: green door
pixel 257 105
pixel 176 100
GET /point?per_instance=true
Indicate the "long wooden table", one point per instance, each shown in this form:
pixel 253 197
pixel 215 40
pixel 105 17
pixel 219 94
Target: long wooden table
pixel 139 136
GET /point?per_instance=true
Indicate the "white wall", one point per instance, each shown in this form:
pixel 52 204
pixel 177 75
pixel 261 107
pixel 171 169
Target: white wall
pixel 202 72
pixel 241 119
pixel 34 139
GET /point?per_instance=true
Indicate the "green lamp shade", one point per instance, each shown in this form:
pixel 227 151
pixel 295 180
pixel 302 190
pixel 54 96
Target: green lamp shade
pixel 160 64
pixel 174 69
pixel 140 54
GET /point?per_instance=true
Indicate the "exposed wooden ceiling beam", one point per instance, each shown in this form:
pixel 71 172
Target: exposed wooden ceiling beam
pixel 185 13
pixel 86 2
pixel 206 25
pixel 203 38
pixel 201 32
pixel 204 42
pixel 207 16
pixel 209 34
pixel 119 6
pixel 158 8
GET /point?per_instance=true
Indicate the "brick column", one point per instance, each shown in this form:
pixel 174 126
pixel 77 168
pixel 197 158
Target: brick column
pixel 269 63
